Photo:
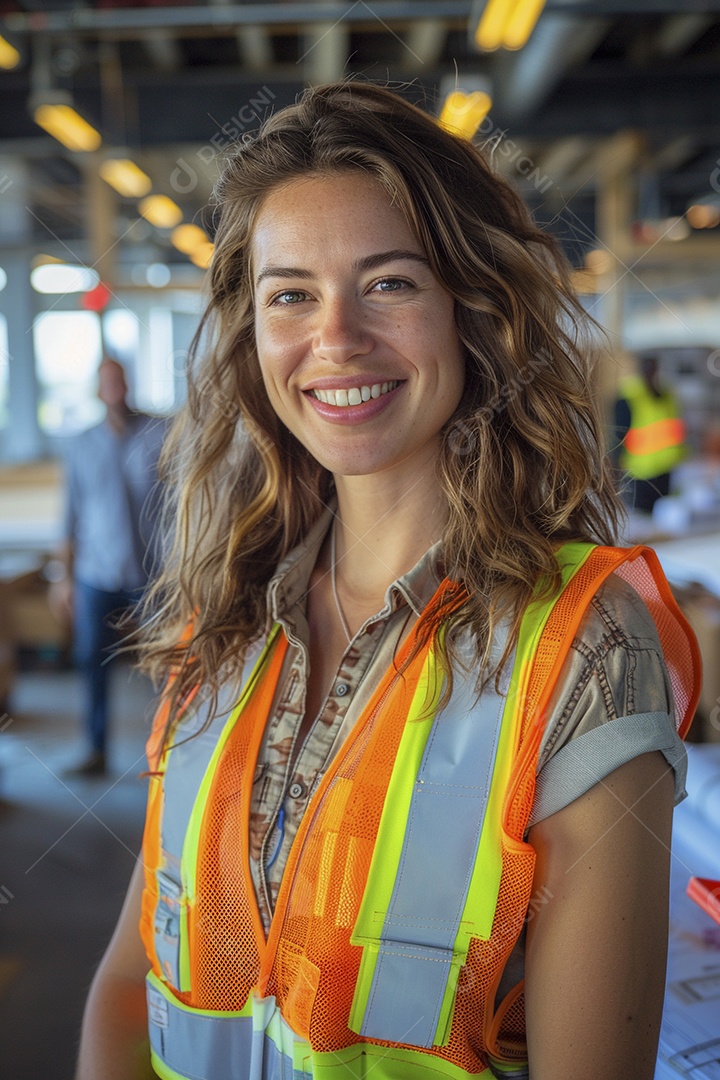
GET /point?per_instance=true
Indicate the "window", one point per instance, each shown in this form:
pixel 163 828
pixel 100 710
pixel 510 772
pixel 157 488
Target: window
pixel 4 372
pixel 68 348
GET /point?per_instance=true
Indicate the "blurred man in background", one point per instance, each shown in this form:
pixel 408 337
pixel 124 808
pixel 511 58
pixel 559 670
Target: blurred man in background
pixel 110 506
pixel 650 436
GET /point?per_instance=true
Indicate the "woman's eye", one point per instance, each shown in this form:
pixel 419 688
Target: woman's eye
pixel 388 285
pixel 289 297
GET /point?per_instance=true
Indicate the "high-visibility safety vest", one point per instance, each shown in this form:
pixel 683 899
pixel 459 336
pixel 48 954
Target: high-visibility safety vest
pixel 655 443
pixel 409 879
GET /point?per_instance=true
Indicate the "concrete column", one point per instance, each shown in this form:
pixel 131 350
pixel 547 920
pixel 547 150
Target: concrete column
pixel 101 213
pixel 614 215
pixel 21 439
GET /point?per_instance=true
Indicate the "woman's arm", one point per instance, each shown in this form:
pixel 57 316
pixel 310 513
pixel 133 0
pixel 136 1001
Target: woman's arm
pixel 597 941
pixel 114 1044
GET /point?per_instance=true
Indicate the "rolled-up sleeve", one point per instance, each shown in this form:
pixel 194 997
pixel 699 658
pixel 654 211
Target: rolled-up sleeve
pixel 613 702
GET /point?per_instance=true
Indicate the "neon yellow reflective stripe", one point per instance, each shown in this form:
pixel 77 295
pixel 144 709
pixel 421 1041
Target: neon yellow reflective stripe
pixel 184 946
pixel 363 1060
pixel 391 832
pixel 481 901
pixel 159 985
pixel 570 558
pixel 191 845
pixel 163 1070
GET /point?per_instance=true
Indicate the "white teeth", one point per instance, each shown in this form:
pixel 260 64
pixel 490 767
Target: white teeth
pixel 355 395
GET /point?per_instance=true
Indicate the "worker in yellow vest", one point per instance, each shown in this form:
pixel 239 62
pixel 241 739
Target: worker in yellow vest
pixel 412 774
pixel 650 435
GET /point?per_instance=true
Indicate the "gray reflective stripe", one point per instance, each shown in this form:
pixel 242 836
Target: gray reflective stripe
pixel 167 927
pixel 187 762
pixel 208 1046
pixel 186 767
pixel 445 821
pixel 269 1063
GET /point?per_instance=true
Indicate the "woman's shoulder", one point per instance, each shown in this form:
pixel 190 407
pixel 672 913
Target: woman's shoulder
pixel 615 667
pixel 617 616
pixel 612 703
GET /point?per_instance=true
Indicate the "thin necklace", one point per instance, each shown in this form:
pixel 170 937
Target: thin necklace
pixel 333 582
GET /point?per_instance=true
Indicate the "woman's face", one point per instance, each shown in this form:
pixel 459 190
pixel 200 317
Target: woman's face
pixel 356 338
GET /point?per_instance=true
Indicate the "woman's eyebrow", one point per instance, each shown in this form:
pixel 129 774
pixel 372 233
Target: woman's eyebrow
pixel 372 261
pixel 282 272
pixel 369 262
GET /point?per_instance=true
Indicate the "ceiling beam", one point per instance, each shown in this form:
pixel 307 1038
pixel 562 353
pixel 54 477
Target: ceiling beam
pixel 324 52
pixel 255 48
pixel 163 49
pixel 424 41
pixel 679 32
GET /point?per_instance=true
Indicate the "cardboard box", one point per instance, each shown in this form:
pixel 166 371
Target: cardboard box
pixel 33 623
pixel 702 610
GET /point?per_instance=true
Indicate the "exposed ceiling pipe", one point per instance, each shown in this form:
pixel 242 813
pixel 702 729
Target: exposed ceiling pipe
pixel 524 80
pixel 223 18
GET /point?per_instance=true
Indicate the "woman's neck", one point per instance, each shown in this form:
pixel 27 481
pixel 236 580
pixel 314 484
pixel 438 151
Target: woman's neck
pixel 383 527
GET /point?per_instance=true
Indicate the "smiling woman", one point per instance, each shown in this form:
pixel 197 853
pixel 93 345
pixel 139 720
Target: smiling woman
pixel 412 691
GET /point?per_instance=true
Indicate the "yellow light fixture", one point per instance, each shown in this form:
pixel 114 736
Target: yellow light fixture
pixel 45 260
pixel 66 125
pixel 507 23
pixel 188 238
pixel 126 177
pixel 463 113
pixel 703 215
pixel 9 56
pixel 161 211
pixel 202 255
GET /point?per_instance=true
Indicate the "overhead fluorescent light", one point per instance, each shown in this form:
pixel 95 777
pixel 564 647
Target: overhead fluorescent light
pixel 507 23
pixel 9 56
pixel 57 116
pixel 63 278
pixel 187 238
pixel 161 211
pixel 463 113
pixel 125 177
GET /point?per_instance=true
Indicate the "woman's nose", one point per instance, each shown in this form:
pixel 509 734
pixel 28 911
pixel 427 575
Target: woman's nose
pixel 342 331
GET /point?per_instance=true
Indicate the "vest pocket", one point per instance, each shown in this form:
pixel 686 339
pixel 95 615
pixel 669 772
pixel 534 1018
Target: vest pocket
pixel 171 932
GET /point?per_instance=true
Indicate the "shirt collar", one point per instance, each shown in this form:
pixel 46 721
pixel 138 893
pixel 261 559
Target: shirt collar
pixel 289 584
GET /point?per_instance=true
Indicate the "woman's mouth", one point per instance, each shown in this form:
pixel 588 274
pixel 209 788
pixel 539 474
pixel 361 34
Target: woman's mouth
pixel 354 395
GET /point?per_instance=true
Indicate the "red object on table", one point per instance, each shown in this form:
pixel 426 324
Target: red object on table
pixel 706 893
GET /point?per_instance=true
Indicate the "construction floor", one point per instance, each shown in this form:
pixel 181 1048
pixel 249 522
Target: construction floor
pixel 67 849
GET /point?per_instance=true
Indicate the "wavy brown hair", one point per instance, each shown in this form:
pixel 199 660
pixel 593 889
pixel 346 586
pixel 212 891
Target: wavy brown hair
pixel 521 465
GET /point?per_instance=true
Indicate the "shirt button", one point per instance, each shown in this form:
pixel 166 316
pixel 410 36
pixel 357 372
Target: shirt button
pixel 342 689
pixel 296 791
